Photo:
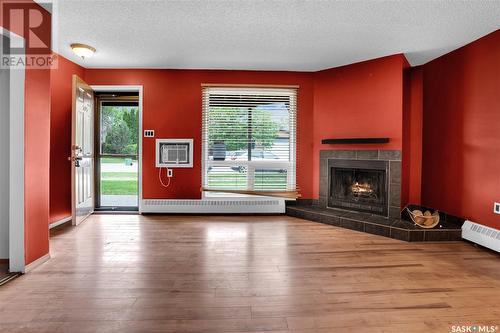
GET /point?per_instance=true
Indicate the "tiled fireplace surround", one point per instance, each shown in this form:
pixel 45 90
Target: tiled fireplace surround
pixel 393 157
pixel 392 226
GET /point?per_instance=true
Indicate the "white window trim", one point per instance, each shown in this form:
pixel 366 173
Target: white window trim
pixel 290 166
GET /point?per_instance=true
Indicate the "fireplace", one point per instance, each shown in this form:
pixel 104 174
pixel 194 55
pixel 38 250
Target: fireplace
pixel 359 185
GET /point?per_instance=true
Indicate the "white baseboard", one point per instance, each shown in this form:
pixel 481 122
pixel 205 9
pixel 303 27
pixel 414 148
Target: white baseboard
pixel 482 235
pixel 61 221
pixel 36 263
pixel 262 205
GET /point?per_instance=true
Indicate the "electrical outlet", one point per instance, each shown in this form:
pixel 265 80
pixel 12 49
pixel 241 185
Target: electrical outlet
pixel 149 133
pixel 170 173
pixel 496 207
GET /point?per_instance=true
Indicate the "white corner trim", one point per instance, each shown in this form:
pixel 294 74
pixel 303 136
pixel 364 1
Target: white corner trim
pixel 61 221
pixel 16 161
pixel 36 263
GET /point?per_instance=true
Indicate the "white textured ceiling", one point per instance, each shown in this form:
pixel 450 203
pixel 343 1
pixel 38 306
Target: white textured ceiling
pixel 267 34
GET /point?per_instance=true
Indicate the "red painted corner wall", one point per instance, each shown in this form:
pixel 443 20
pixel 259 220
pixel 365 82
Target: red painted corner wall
pixel 461 141
pixel 359 100
pixel 36 156
pixel 36 163
pixel 172 107
pixel 60 137
pixel 411 173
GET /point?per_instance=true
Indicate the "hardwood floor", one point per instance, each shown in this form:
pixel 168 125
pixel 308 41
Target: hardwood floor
pixel 130 273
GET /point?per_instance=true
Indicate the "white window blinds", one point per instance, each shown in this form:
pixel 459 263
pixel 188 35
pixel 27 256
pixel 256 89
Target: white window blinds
pixel 249 139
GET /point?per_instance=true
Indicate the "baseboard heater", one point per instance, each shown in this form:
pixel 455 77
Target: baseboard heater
pixel 215 206
pixel 482 235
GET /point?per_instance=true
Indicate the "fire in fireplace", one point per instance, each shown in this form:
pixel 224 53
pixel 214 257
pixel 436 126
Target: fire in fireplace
pixel 364 190
pixel 358 185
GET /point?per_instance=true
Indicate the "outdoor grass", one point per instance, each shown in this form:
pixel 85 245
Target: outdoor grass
pixel 115 160
pixel 126 183
pixel 116 183
pixel 237 180
pixel 132 176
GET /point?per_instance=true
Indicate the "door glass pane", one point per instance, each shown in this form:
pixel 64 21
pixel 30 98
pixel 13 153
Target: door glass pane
pixel 118 182
pixel 119 128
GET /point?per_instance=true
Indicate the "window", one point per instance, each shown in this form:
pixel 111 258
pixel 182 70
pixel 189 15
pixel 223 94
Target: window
pixel 249 139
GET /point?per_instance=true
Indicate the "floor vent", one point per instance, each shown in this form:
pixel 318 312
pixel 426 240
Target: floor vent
pixel 482 235
pixel 214 206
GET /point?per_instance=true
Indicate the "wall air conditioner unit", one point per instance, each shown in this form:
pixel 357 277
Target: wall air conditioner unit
pixel 174 153
pixel 482 235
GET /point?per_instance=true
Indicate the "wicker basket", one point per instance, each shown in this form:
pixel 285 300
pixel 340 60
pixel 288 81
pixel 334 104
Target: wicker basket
pixel 425 220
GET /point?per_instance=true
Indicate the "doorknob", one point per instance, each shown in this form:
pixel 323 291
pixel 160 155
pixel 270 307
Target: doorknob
pixel 76 159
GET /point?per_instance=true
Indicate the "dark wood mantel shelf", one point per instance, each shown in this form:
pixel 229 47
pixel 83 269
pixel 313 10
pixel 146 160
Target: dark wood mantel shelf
pixel 354 141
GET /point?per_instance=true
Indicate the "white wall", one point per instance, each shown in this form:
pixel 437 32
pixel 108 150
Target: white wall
pixel 4 163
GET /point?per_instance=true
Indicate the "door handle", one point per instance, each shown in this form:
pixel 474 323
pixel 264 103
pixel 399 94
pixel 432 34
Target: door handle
pixel 77 155
pixel 76 159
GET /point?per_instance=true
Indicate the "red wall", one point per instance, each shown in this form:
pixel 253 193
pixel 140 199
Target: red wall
pixel 36 163
pixel 358 100
pixel 411 177
pixel 60 137
pixel 36 157
pixel 461 145
pixel 447 107
pixel 172 107
pixel 341 98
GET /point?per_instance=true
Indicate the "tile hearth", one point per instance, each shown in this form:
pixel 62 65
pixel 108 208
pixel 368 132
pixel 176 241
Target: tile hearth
pixel 377 225
pixel 390 223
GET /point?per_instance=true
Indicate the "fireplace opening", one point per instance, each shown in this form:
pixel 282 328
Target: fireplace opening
pixel 358 185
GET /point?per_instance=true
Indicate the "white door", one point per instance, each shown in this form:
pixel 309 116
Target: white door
pixel 82 151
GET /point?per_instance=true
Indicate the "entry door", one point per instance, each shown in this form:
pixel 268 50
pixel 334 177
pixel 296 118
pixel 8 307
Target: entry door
pixel 82 151
pixel 116 153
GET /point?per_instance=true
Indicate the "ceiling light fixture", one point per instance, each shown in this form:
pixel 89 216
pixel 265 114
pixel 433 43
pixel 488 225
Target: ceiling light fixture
pixel 82 50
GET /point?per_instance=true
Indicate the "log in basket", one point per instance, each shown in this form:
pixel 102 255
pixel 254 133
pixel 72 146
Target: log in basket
pixel 425 220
